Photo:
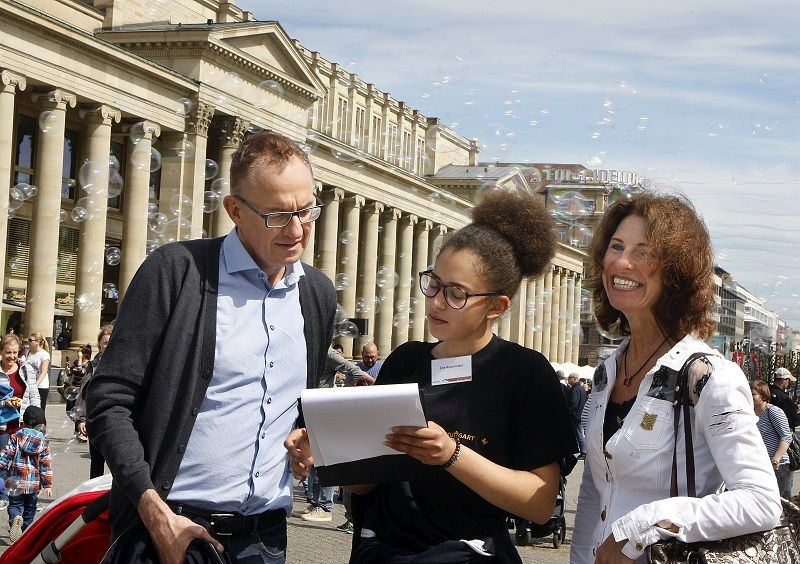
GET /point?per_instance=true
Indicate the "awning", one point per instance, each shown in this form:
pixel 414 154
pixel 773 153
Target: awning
pixel 15 305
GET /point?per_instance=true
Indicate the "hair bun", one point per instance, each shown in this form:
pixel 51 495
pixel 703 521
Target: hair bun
pixel 522 219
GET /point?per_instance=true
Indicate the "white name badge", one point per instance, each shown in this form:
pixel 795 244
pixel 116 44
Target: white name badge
pixel 451 370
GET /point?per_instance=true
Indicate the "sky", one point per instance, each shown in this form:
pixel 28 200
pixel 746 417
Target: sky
pixel 699 98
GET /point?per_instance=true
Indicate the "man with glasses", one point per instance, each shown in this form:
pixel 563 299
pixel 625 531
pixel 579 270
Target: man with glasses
pixel 198 388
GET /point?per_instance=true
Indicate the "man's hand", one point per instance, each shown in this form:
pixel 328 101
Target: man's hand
pixel 610 552
pixel 171 533
pixel 47 492
pixel 299 450
pixel 366 378
pixel 430 445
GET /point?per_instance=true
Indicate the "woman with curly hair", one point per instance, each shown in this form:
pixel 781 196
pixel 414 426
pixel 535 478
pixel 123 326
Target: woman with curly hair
pixel 651 280
pixel 497 431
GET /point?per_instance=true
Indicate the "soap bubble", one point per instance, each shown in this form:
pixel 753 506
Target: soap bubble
pixel 136 132
pixel 113 162
pixel 28 190
pixel 79 214
pixel 363 306
pixel 18 192
pixel 48 121
pixel 115 184
pixel 90 175
pixel 269 94
pixel 182 148
pixel 212 169
pixel 71 393
pixel 221 186
pixel 571 205
pixel 113 255
pixel 345 237
pixel 211 201
pixel 386 278
pixel 180 205
pixel 346 329
pixel 185 106
pixel 157 223
pixel 342 281
pixel 75 414
pixel 86 302
pixel 152 209
pixel 62 215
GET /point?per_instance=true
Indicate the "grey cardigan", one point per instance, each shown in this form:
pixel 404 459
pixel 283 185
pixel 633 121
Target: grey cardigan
pixel 144 396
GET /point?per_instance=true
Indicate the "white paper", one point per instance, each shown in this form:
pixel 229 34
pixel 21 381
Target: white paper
pixel 347 424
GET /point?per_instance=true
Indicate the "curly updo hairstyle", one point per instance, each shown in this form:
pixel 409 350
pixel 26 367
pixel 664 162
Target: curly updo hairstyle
pixel 678 242
pixel 513 237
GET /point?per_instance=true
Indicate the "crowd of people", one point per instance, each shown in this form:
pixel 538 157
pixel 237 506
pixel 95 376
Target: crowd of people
pixel 194 406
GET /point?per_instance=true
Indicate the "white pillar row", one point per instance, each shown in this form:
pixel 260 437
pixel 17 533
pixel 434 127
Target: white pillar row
pixel 435 240
pixel 136 197
pixel 348 252
pixel 230 133
pixel 308 252
pixel 197 124
pixel 530 313
pixel 541 296
pixel 569 344
pixel 329 235
pixel 41 288
pixel 547 311
pixel 417 302
pixel 176 177
pixel 405 238
pixel 576 327
pixel 562 316
pixel 388 255
pixel 518 310
pixel 555 313
pixel 9 84
pixel 367 271
pixel 92 231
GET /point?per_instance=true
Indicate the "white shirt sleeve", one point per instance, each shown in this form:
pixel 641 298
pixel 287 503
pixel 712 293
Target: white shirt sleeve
pixel 585 520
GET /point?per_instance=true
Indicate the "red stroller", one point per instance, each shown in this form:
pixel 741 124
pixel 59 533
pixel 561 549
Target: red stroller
pixel 72 530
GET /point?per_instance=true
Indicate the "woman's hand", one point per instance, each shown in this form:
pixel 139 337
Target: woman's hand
pixel 430 445
pixel 610 552
pixel 299 450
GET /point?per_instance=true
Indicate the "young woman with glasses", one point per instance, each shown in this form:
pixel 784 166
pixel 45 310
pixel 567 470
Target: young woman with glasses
pixel 498 420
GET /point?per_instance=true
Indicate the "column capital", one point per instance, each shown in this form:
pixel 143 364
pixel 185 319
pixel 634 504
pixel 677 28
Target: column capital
pixel 231 131
pixel 100 114
pixel 11 81
pixel 356 200
pixel 424 225
pixel 411 219
pixel 393 214
pixel 149 129
pixel 197 122
pixel 317 187
pixel 373 207
pixel 55 99
pixel 333 194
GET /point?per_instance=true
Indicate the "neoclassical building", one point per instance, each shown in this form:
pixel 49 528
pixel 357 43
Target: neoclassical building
pixel 118 120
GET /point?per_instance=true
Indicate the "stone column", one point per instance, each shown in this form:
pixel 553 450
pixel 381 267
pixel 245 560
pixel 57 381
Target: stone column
pixel 434 244
pixel 92 231
pixel 518 311
pixel 569 317
pixel 197 133
pixel 9 83
pixel 576 327
pixel 368 270
pixel 388 255
pixel 41 288
pixel 561 320
pixel 531 300
pixel 417 303
pixel 330 231
pixel 230 133
pixel 547 310
pixel 404 267
pixel 538 324
pixel 308 252
pixel 351 217
pixel 135 201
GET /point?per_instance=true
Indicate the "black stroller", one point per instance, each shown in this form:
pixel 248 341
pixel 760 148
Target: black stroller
pixel 557 525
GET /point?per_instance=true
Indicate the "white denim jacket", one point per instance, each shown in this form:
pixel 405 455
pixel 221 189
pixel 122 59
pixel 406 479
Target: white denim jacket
pixel 626 485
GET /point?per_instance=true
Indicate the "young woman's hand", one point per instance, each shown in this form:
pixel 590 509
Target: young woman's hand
pixel 430 445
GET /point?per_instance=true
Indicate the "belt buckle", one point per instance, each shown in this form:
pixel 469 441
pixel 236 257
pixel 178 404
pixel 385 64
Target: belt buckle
pixel 212 517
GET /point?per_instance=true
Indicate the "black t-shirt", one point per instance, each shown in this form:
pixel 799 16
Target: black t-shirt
pixel 512 412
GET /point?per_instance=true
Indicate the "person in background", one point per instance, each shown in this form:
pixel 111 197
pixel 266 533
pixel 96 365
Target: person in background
pixel 369 363
pixel 780 398
pixel 78 372
pixel 651 276
pixel 777 435
pixel 38 358
pixel 21 378
pixel 576 401
pixel 96 460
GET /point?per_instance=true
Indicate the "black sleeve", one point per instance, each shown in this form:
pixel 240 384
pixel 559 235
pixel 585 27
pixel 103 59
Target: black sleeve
pixel 542 424
pixel 398 366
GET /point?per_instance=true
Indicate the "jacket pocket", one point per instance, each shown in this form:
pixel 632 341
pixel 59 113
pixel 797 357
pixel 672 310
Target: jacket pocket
pixel 650 424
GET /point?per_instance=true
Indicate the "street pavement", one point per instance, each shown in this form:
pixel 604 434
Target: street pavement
pixel 309 543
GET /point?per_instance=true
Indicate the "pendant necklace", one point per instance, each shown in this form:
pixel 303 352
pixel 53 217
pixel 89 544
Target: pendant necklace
pixel 626 381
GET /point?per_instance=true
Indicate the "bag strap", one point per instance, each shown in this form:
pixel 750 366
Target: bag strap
pixel 681 404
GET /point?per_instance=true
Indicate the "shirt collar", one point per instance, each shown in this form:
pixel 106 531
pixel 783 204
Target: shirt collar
pixel 237 259
pixel 677 355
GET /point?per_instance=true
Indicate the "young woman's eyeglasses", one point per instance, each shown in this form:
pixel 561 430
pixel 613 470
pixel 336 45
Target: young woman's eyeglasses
pixel 282 219
pixel 455 296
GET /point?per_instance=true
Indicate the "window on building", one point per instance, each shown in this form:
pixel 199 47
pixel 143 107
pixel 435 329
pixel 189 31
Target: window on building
pixel 67 255
pixel 69 165
pixel 18 247
pixel 422 158
pixel 393 150
pixel 408 154
pixel 377 138
pixel 25 149
pixel 342 113
pixel 359 137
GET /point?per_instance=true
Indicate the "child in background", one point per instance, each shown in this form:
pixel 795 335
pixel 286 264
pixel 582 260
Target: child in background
pixel 25 465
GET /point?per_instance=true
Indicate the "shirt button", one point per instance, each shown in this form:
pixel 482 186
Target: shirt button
pixel 181 448
pixel 195 411
pixel 639 546
pixel 263 435
pixel 271 327
pixel 603 515
pixel 269 400
pixel 608 454
pixel 594 552
pixel 258 474
pixel 166 485
pixel 271 364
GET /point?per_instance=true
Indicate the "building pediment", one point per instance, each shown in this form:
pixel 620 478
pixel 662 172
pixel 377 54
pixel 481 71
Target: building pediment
pixel 256 51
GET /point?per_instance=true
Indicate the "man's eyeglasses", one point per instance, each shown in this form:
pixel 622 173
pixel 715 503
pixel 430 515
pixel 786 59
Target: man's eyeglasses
pixel 282 219
pixel 32 339
pixel 455 296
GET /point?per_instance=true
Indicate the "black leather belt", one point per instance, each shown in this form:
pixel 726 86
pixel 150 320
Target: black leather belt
pixel 232 523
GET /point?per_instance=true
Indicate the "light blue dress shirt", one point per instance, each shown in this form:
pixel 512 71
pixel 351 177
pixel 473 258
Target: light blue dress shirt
pixel 235 460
